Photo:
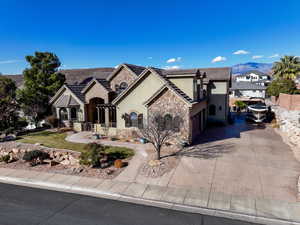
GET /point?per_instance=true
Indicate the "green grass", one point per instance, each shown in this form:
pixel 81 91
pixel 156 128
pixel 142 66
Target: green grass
pixel 119 151
pixel 57 140
pixel 51 140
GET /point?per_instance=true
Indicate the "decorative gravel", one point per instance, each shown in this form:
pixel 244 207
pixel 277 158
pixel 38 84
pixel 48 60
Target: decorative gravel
pixel 156 168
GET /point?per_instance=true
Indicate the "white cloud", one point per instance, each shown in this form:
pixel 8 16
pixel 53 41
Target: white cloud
pixel 172 67
pixel 9 61
pixel 219 59
pixel 172 60
pixel 241 52
pixel 274 56
pixel 257 56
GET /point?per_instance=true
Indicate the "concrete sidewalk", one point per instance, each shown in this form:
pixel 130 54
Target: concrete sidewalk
pixel 262 211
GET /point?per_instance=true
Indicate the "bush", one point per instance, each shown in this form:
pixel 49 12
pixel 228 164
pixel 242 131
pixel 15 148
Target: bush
pixel 281 86
pixel 5 158
pixel 92 154
pixel 240 104
pixel 53 121
pixel 114 153
pixel 34 156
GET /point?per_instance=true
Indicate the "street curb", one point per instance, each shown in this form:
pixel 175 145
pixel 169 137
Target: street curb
pixel 148 202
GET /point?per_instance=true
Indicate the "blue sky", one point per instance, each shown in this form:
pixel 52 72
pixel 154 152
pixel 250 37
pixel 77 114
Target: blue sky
pixel 167 34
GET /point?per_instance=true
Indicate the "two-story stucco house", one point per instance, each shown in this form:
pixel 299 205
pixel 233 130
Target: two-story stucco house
pixel 126 97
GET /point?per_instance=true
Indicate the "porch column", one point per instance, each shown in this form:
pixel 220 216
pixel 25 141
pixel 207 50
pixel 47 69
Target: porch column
pixel 69 113
pixel 106 116
pixel 57 113
pixel 98 115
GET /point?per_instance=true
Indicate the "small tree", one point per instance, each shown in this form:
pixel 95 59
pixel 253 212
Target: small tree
pixel 158 132
pixel 281 86
pixel 240 104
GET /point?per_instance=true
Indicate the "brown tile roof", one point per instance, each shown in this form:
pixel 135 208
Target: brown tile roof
pixel 76 89
pixel 105 84
pixel 218 73
pixel 83 76
pixel 136 69
pixel 180 72
pixel 74 76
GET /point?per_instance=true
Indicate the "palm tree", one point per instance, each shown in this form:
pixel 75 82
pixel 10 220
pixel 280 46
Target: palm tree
pixel 287 68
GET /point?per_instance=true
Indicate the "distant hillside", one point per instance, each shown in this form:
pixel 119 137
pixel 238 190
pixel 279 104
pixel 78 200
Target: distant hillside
pixel 245 67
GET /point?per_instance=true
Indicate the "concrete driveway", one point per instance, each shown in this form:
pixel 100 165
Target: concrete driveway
pixel 240 159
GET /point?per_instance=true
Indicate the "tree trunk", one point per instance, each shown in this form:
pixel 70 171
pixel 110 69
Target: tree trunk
pixel 158 153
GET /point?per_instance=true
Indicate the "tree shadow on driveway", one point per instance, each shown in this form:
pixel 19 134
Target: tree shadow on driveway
pixel 204 151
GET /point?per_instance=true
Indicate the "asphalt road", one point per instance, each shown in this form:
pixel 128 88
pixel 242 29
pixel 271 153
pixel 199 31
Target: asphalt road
pixel 22 205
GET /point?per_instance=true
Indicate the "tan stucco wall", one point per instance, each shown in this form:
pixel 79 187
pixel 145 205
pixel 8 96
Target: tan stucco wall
pixel 220 87
pixel 133 102
pixel 96 91
pixel 122 76
pixel 185 84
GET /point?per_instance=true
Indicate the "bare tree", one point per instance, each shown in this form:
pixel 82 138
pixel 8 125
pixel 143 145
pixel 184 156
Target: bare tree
pixel 159 129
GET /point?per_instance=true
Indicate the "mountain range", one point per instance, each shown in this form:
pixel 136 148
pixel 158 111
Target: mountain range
pixel 245 67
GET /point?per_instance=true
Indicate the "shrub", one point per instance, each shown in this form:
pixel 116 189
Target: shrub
pixel 92 154
pixel 53 121
pixel 240 104
pixel 34 156
pixel 281 86
pixel 5 158
pixel 114 153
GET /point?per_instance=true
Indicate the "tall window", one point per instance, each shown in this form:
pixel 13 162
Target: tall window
pixel 134 119
pixel 212 110
pixel 73 113
pixel 176 123
pixel 168 122
pixel 63 114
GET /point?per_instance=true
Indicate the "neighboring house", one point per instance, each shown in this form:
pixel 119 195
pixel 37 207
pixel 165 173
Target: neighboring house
pixel 254 76
pixel 247 90
pixel 126 97
pixel 249 87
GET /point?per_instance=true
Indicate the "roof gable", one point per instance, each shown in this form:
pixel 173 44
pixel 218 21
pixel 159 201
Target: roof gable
pixel 167 83
pixel 133 69
pixel 75 91
pixel 104 83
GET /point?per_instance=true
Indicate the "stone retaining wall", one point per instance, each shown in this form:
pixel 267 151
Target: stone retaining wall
pixel 289 122
pixel 62 156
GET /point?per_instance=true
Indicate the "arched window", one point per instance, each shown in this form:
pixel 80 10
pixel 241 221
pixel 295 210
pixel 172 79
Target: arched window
pixel 134 119
pixel 168 122
pixel 123 86
pixel 63 114
pixel 212 110
pixel 176 123
pixel 73 113
pixel 117 88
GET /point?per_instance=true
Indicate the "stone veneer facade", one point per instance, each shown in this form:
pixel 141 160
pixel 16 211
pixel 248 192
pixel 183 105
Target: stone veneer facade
pixel 169 103
pixel 122 76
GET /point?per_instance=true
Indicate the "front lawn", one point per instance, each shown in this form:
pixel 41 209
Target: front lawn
pixel 51 140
